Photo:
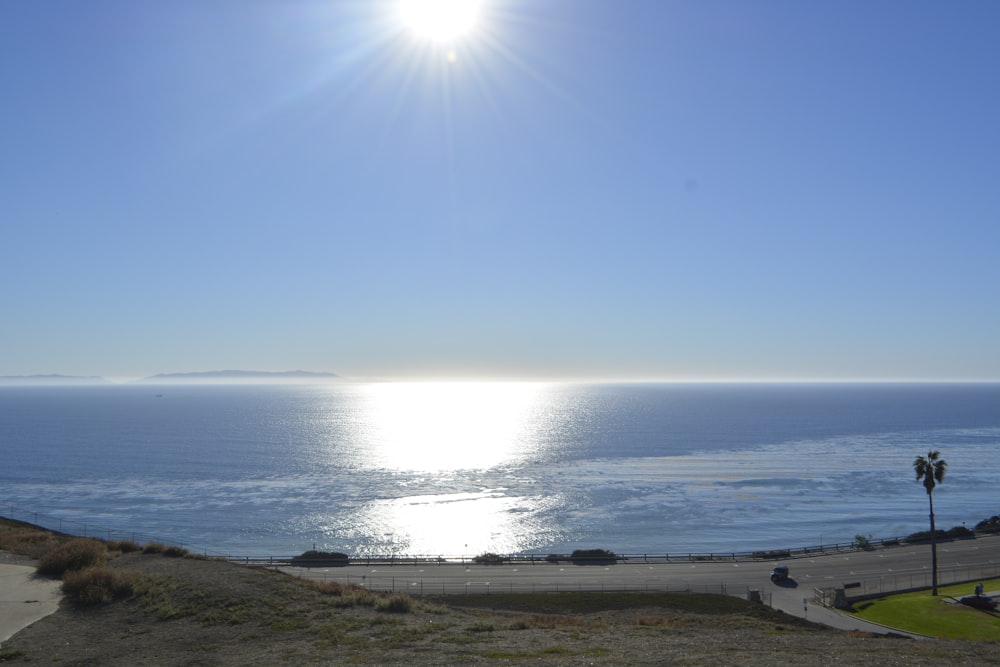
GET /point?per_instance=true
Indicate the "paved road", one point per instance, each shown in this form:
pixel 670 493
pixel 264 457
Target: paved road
pixel 892 567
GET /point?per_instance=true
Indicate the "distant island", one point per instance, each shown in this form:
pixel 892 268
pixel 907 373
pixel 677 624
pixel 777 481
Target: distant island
pixel 242 376
pixel 205 377
pixel 51 379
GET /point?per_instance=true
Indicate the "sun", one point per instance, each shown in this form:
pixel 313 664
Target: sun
pixel 440 21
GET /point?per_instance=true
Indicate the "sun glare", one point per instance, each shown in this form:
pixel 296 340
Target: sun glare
pixel 442 426
pixel 440 20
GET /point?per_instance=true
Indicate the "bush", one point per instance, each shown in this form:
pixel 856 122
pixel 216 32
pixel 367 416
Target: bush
pixel 33 544
pixel 153 548
pixel 959 532
pixel 73 555
pixel 593 556
pixel 396 603
pixel 991 525
pixel 317 558
pixel 163 549
pixel 490 558
pixel 124 546
pixel 955 533
pixel 862 542
pixel 97 585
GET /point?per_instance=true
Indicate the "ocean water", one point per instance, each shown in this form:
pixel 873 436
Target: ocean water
pixel 463 468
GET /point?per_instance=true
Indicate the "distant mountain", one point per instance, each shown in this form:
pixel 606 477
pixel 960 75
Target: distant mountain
pixel 51 379
pixel 243 376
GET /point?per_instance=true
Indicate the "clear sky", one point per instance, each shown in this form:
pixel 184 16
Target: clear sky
pixel 640 189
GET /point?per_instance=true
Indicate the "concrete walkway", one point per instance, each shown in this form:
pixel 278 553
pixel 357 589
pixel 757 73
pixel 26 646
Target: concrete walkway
pixel 24 598
pixel 796 603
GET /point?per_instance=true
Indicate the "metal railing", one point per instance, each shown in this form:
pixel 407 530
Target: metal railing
pixel 90 529
pixel 901 583
pixel 635 558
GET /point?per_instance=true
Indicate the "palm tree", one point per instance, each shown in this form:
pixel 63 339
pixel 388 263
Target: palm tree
pixel 931 469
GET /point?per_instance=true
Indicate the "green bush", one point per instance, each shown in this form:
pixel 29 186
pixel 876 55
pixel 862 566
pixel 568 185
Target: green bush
pixel 73 555
pixel 489 558
pixel 593 556
pixel 98 585
pixel 991 525
pixel 313 557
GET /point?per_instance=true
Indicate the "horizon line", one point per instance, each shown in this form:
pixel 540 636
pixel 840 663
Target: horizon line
pixel 323 377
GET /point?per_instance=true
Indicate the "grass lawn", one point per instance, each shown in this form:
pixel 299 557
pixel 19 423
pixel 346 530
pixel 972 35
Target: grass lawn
pixel 935 616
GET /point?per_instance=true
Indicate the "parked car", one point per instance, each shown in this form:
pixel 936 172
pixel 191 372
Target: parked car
pixel 980 602
pixel 779 574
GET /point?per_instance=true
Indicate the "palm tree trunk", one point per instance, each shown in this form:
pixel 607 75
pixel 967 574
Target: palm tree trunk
pixel 934 567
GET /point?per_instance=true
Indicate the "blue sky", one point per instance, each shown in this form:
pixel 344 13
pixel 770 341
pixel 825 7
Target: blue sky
pixel 639 189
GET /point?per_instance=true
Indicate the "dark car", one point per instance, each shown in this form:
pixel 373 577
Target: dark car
pixel 980 602
pixel 779 574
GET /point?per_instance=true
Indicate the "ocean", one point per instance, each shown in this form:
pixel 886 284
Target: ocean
pixel 459 469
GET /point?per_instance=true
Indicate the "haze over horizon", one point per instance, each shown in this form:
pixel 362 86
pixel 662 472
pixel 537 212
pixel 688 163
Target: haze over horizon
pixel 557 189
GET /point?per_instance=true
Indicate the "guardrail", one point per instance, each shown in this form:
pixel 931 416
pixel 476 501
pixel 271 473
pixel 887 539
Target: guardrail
pixel 901 583
pixel 88 529
pixel 539 559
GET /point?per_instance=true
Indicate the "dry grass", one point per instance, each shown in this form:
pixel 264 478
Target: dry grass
pixel 73 555
pixel 166 550
pixel 27 540
pixel 144 608
pixel 99 585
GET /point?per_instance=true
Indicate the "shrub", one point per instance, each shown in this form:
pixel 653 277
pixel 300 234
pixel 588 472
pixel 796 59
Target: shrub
pixel 396 603
pixel 593 556
pixel 153 548
pixel 925 535
pixel 124 546
pixel 862 542
pixel 314 558
pixel 330 587
pixel 489 558
pixel 991 525
pixel 33 544
pixel 73 555
pixel 98 585
pixel 163 549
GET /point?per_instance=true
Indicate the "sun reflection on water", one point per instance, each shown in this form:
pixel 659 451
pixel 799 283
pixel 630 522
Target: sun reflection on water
pixel 446 445
pixel 446 426
pixel 454 524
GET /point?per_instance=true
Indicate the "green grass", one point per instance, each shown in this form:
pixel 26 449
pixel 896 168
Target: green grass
pixel 925 614
pixel 12 655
